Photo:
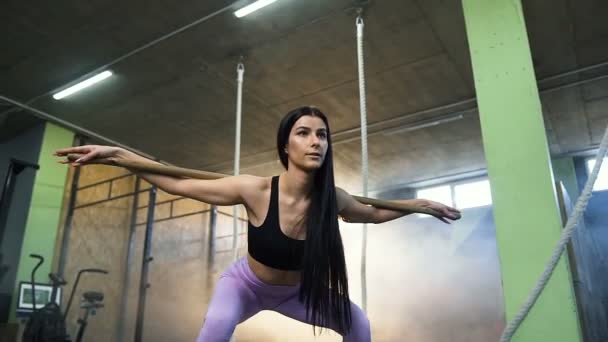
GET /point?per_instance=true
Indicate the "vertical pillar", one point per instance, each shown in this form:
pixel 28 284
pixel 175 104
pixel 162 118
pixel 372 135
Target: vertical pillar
pixel 517 155
pixel 45 209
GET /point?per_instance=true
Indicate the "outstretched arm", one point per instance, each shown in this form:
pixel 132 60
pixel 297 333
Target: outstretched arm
pixel 355 212
pixel 223 191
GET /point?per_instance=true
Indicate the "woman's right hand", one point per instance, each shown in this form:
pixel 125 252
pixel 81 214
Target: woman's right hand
pixel 87 152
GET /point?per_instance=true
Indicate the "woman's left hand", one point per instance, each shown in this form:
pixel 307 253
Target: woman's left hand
pixel 442 211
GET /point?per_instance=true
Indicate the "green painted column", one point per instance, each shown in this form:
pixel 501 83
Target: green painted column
pixel 517 155
pixel 45 209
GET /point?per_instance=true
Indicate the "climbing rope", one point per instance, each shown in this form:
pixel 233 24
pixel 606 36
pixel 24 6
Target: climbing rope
pixel 240 70
pixel 364 165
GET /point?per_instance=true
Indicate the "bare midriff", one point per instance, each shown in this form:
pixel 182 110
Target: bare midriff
pixel 273 276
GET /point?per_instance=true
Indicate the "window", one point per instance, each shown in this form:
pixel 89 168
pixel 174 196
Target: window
pixel 601 183
pixel 471 195
pixel 461 195
pixel 442 194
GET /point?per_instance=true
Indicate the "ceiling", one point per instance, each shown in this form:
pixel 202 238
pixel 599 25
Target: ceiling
pixel 175 100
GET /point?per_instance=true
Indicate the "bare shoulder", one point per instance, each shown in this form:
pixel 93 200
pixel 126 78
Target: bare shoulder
pixel 254 182
pixel 253 187
pixel 256 197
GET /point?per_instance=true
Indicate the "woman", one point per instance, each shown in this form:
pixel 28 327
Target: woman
pixel 295 263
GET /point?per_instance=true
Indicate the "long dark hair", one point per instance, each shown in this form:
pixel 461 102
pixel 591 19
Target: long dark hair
pixel 324 284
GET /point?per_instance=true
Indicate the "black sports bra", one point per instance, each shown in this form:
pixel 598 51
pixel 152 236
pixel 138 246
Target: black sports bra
pixel 268 244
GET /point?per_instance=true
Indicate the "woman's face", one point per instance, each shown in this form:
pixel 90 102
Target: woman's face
pixel 307 143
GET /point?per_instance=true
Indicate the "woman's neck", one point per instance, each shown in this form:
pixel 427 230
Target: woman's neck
pixel 297 183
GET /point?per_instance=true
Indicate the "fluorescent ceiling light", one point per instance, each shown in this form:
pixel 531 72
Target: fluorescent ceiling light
pixel 86 83
pixel 253 7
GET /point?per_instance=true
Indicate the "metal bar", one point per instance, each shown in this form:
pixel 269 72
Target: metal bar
pixel 167 201
pixel 228 236
pixel 67 226
pixel 225 251
pixel 146 259
pixel 108 199
pixel 7 194
pixel 15 167
pixel 104 181
pixel 574 72
pixel 212 230
pixel 181 216
pixel 128 262
pixel 230 215
pixel 110 190
pixel 573 84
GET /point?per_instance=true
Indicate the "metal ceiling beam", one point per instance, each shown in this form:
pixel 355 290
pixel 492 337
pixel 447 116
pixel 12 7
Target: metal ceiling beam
pixel 75 128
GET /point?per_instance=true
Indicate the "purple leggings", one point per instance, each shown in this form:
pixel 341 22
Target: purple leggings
pixel 239 294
